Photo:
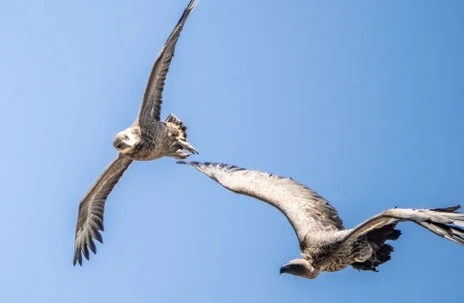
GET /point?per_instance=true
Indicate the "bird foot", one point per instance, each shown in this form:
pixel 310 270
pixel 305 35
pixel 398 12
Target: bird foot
pixel 180 154
pixel 181 149
pixel 188 147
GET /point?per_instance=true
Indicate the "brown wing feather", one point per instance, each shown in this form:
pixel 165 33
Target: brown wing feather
pixel 304 208
pixel 152 98
pixel 91 209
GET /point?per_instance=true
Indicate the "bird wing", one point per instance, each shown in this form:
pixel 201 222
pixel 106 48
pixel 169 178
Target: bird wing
pixel 439 221
pixel 152 98
pixel 304 208
pixel 92 206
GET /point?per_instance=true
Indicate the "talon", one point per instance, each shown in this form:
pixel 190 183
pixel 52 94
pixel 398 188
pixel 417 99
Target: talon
pixel 179 154
pixel 188 147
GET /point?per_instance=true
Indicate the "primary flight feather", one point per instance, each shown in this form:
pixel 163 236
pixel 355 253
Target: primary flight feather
pixel 147 139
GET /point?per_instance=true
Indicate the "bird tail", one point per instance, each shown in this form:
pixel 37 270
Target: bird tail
pixel 181 143
pixel 179 125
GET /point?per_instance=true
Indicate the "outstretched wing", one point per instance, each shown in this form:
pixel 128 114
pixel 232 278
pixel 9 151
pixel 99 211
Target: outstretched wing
pixel 91 209
pixel 304 208
pixel 439 221
pixel 152 98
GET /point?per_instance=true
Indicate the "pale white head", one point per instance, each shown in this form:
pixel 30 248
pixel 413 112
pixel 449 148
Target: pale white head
pixel 301 268
pixel 125 141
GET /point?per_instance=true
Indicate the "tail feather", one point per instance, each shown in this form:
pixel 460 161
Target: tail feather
pixel 174 120
pixel 180 143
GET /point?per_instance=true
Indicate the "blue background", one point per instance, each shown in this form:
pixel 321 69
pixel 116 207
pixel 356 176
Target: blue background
pixel 360 100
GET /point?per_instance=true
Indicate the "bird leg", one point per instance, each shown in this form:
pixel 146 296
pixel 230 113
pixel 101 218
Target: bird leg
pixel 180 154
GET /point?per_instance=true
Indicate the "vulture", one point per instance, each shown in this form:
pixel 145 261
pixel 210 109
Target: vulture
pixel 146 139
pixel 324 243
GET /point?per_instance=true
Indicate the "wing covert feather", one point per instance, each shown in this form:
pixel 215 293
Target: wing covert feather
pixel 304 208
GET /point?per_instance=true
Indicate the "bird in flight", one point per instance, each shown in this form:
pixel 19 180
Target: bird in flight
pixel 325 244
pixel 147 139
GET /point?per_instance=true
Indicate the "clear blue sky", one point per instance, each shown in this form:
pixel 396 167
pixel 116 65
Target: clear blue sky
pixel 362 101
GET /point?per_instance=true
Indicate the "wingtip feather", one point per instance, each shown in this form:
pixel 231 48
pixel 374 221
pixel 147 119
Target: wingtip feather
pixel 77 257
pixel 97 236
pixel 193 4
pixel 85 252
pixel 190 163
pixel 450 209
pixel 92 246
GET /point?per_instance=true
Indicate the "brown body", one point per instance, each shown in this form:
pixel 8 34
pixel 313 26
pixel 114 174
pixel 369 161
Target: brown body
pixel 155 140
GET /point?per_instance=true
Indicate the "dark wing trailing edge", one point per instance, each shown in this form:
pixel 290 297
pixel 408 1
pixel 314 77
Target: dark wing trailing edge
pixel 152 98
pixel 91 209
pixel 304 208
pixel 439 221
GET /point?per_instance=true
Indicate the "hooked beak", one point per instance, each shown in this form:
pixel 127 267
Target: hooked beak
pixel 120 145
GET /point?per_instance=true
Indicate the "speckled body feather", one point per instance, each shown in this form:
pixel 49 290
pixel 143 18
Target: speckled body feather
pixel 158 140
